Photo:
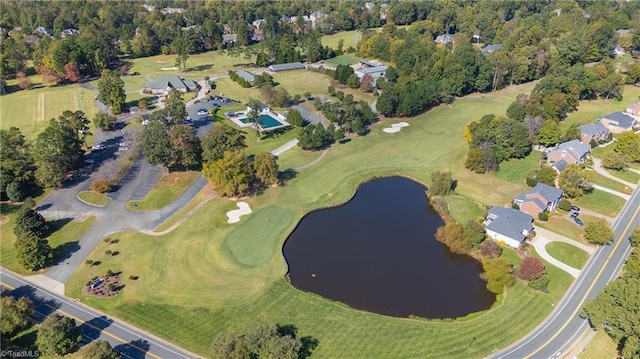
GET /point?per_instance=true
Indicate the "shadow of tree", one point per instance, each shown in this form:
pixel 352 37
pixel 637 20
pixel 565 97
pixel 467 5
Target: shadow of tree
pixel 64 252
pixel 91 329
pixel 136 349
pixel 286 175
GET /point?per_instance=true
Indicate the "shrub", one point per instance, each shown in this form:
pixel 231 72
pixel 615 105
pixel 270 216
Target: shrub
pixel 133 277
pixel 110 272
pixel 540 284
pixel 593 143
pixel 143 103
pixel 108 252
pixel 89 262
pixel 543 216
pixel 598 231
pixel 307 95
pixel 531 268
pixel 515 205
pixel 491 249
pixel 101 186
pixel 531 180
pixel 564 205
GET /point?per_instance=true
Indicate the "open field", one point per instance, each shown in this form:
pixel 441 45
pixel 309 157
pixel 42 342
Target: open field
pixel 462 209
pixel 568 254
pixel 349 38
pixel 601 346
pixel 347 59
pixel 205 63
pixel 244 267
pixel 31 110
pixel 589 111
pixel 94 198
pixel 168 189
pixel 296 157
pixel 515 170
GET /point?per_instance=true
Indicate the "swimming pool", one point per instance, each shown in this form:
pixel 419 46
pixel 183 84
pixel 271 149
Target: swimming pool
pixel 266 121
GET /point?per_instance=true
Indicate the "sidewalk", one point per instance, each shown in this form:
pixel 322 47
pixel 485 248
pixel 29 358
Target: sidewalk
pixel 287 146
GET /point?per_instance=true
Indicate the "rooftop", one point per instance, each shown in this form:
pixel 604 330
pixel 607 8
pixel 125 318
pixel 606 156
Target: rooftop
pixel 622 119
pixel 371 70
pixel 287 66
pixel 509 222
pixel 593 129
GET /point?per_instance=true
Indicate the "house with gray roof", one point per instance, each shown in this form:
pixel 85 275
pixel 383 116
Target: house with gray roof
pixel 617 122
pixel 571 152
pixel 559 166
pixel 634 110
pixel 491 48
pixel 444 39
pixel 593 132
pixel 162 85
pixel 317 16
pixel 375 72
pixel 247 76
pixel 540 198
pixel 286 67
pixel 508 225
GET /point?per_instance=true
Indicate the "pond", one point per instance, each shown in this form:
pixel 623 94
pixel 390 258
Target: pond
pixel 378 253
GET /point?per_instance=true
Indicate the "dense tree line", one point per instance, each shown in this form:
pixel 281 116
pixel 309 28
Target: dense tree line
pixel 169 143
pixel 616 310
pixel 346 114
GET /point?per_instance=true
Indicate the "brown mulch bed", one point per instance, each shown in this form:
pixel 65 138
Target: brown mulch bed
pixel 102 290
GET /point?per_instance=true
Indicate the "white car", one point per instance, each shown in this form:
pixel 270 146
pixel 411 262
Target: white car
pixel 97 147
pixel 89 161
pixel 202 112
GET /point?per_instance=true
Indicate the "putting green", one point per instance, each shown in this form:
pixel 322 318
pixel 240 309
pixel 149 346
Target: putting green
pixel 252 250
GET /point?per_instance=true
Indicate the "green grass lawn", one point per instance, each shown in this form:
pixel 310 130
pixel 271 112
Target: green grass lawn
pixel 270 140
pixel 567 254
pixel 589 111
pixel 349 38
pixel 601 202
pixel 97 199
pixel 626 175
pixel 211 62
pixel 167 190
pixel 515 170
pixel 296 157
pixel 601 180
pixel 562 226
pixel 64 234
pixel 31 110
pixel 463 209
pixel 347 59
pixel 243 266
pixel 601 346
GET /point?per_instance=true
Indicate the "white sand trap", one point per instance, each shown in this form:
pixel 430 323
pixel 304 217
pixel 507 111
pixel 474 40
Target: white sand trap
pixel 234 216
pixel 168 68
pixel 396 127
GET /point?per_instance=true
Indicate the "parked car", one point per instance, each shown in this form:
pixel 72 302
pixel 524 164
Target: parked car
pixel 202 112
pixel 97 147
pixel 578 221
pixel 574 214
pixel 575 208
pixel 89 161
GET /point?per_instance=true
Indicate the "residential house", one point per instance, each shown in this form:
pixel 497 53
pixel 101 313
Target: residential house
pixel 618 51
pixel 444 39
pixel 148 7
pixel 162 85
pixel 508 225
pixel 228 36
pixel 593 131
pixel 172 10
pixel 617 122
pixel 69 32
pixel 375 72
pixel 257 29
pixel 569 152
pixel 540 198
pixel 247 76
pixel 44 31
pixel 365 63
pixel 316 17
pixel 384 10
pixel 286 67
pixel 634 110
pixel 369 5
pixel 491 48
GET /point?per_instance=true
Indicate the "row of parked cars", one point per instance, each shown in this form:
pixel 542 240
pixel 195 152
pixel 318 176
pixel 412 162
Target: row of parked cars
pixel 575 212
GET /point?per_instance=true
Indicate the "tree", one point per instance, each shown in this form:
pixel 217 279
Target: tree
pixel 452 235
pixel 15 191
pixel 29 221
pixel 23 81
pixel 33 252
pixel 633 73
pixel 572 181
pixel 549 133
pixel 57 335
pixel 564 205
pixel 231 175
pixel 295 118
pixel 72 72
pixel 57 150
pixel 474 233
pixel 572 133
pixel 531 268
pixel 615 160
pixel 185 146
pixel 616 310
pixel 220 139
pixel 598 231
pixel 104 121
pixel 266 168
pixel 367 83
pixel 175 107
pixel 441 183
pixel 489 248
pixel 101 186
pixel 156 144
pixel 111 90
pixel 253 116
pixel 546 175
pixel 99 349
pixel 264 341
pixel 17 163
pixel 628 143
pixel 15 314
pixel 497 274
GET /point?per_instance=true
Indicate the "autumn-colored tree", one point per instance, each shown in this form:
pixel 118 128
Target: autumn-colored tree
pixel 531 268
pixel 452 234
pixel 23 81
pixel 72 72
pixel 490 249
pixel 266 168
pixel 101 186
pixel 49 75
pixel 497 273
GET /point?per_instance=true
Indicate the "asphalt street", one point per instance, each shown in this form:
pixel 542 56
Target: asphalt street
pixel 129 341
pixel 554 337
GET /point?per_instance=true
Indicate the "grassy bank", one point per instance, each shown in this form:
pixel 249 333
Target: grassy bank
pixel 567 254
pixel 94 198
pixel 168 189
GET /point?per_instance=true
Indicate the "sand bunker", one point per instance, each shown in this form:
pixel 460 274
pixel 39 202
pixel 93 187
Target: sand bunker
pixel 234 216
pixel 396 127
pixel 168 68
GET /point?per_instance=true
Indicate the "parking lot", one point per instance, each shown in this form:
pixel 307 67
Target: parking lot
pixel 203 123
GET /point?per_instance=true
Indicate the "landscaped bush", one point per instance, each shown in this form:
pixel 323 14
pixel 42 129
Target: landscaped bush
pixel 531 268
pixel 564 205
pixel 101 186
pixel 543 216
pixel 515 205
pixel 489 248
pixel 598 231
pixel 539 284
pixel 15 192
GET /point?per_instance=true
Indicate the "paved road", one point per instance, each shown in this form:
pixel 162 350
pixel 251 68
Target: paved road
pixel 557 333
pixel 129 341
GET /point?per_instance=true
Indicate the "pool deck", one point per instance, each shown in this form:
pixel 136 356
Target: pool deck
pixel 242 115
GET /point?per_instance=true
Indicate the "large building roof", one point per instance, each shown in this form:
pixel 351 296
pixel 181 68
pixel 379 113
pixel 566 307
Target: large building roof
pixel 372 70
pixel 573 148
pixel 593 129
pixel 548 193
pixel 510 222
pixel 246 75
pixel 171 81
pixel 287 66
pixel 623 120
